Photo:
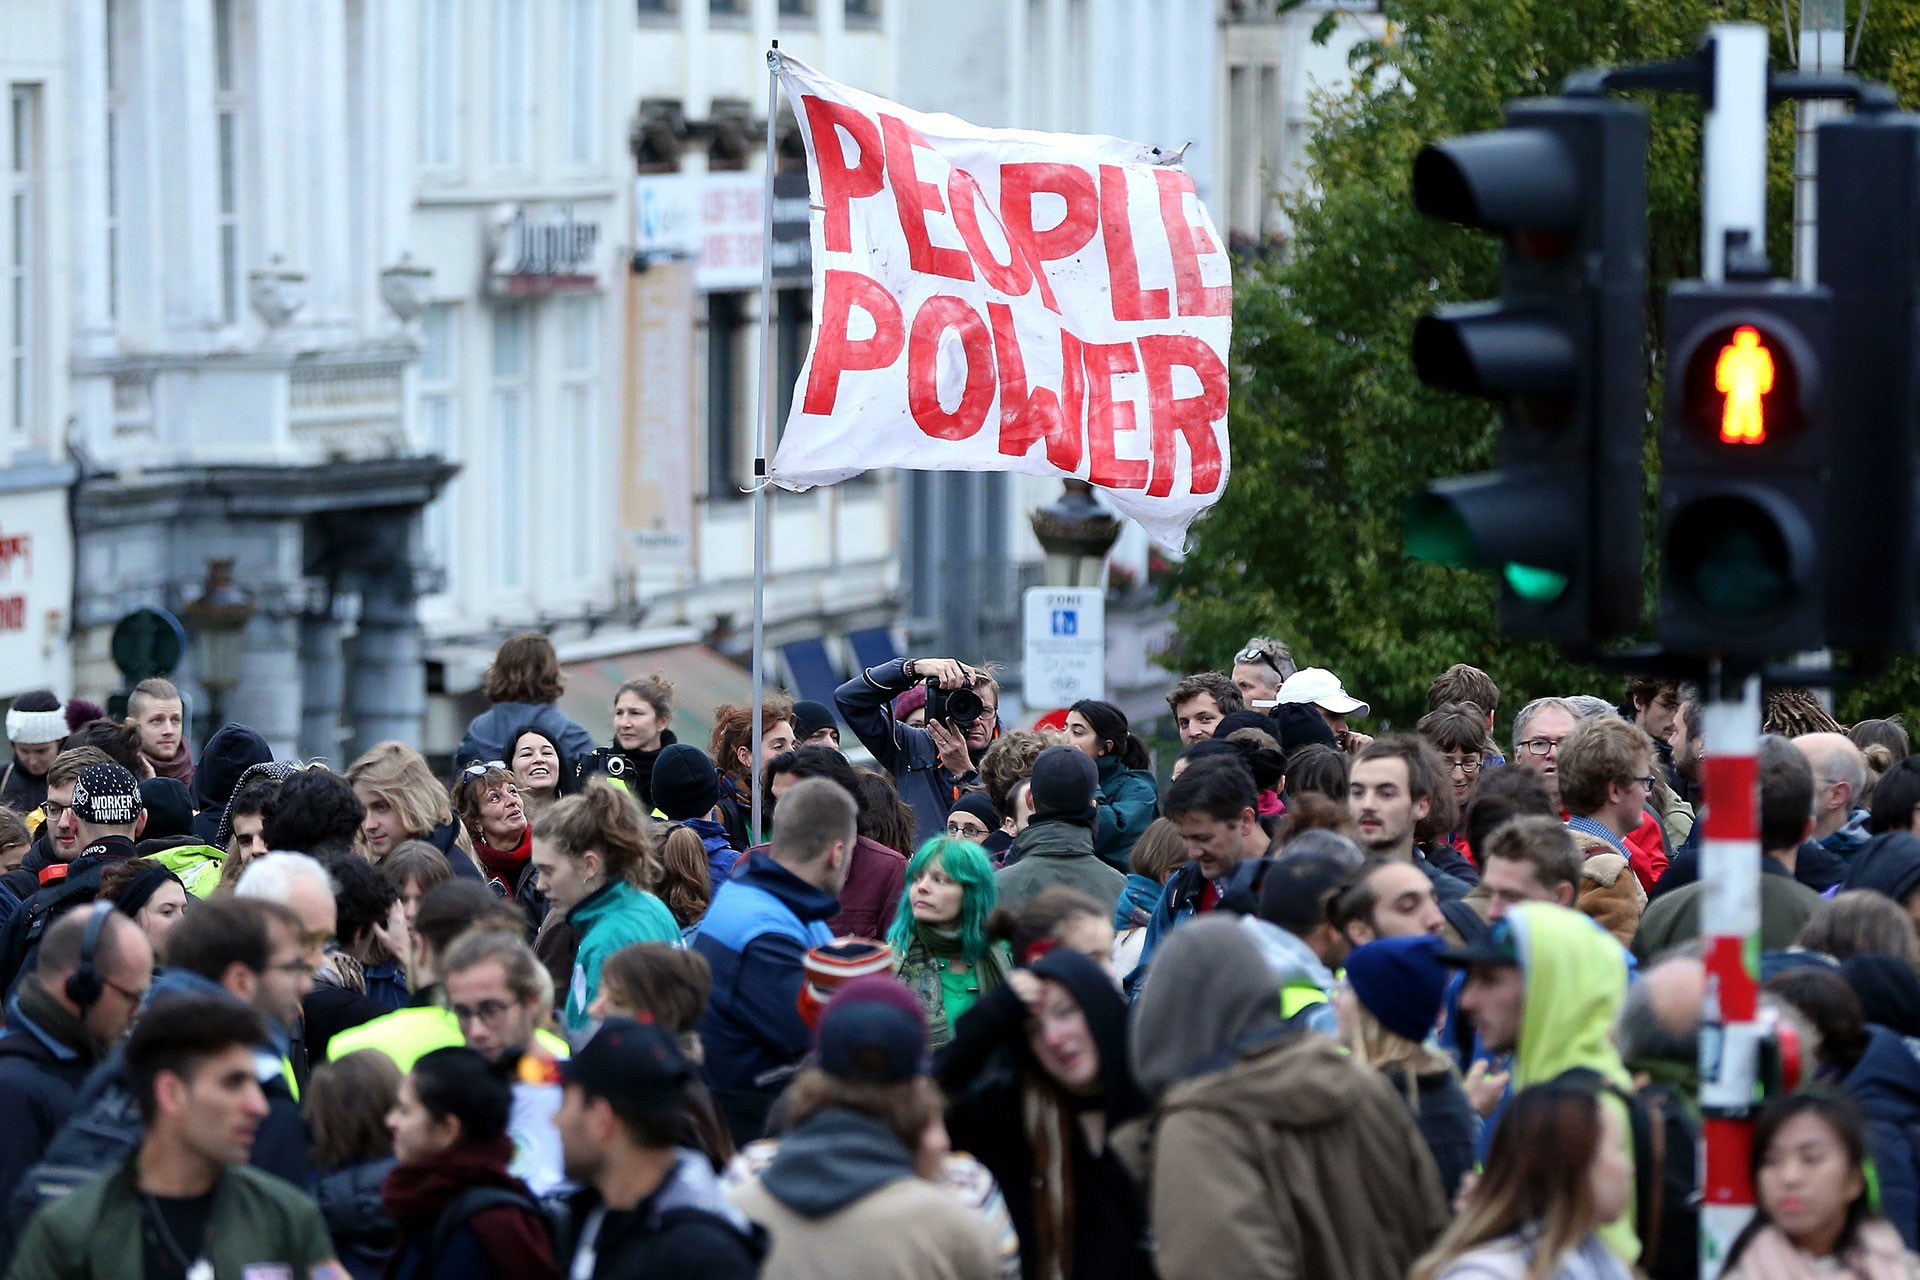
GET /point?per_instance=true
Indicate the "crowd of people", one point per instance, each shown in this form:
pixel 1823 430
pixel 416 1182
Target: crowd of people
pixel 962 1000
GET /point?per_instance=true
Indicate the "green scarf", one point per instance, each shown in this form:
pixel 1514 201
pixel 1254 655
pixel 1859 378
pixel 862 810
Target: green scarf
pixel 923 965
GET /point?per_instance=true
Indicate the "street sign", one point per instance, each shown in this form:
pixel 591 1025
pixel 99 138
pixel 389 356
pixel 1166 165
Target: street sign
pixel 1066 645
pixel 147 642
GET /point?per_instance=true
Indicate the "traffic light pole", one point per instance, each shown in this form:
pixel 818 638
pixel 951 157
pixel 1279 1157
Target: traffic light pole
pixel 1733 196
pixel 1730 1030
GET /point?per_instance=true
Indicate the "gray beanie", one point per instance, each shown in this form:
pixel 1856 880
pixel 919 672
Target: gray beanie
pixel 1064 780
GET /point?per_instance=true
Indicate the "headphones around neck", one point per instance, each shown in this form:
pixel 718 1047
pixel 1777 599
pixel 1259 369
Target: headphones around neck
pixel 85 986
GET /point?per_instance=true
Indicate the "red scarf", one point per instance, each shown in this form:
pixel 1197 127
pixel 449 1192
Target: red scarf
pixel 416 1194
pixel 506 863
pixel 180 768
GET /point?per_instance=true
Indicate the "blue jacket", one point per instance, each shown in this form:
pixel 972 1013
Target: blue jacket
pixel 486 738
pixel 866 704
pixel 755 938
pixel 721 855
pixel 1886 1080
pixel 1178 901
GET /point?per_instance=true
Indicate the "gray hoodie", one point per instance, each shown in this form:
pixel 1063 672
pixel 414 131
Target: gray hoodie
pixel 1208 997
pixel 1294 965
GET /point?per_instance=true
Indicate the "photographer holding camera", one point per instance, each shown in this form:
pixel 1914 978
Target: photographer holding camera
pixel 930 766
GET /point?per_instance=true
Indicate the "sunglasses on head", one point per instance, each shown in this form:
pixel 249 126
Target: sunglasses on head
pixel 1258 653
pixel 479 769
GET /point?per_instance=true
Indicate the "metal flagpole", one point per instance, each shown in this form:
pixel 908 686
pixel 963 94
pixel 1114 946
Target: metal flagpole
pixel 765 434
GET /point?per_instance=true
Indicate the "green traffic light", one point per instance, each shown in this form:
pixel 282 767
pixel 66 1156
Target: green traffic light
pixel 1535 585
pixel 1437 534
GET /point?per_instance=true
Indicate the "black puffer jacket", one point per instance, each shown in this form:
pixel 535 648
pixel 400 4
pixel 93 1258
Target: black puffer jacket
pixel 358 1223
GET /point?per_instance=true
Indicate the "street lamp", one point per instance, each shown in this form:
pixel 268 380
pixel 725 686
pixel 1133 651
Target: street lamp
pixel 219 620
pixel 1076 532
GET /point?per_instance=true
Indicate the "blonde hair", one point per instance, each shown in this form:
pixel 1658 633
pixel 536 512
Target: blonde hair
pixel 400 775
pixel 1401 1060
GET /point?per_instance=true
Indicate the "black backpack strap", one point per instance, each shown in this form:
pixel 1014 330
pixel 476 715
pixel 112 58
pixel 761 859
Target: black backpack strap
pixel 473 1201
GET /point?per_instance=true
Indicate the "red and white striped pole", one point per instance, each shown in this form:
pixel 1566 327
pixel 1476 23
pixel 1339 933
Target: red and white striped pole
pixel 1730 1030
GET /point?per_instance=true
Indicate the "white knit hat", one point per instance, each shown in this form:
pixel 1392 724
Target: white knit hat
pixel 31 728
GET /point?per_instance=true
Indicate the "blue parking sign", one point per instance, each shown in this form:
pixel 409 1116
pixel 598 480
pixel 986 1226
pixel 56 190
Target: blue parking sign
pixel 1066 622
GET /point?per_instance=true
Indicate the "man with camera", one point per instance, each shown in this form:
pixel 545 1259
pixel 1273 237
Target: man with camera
pixel 930 766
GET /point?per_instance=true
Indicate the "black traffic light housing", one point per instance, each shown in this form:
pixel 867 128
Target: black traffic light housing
pixel 1869 257
pixel 1744 457
pixel 1562 351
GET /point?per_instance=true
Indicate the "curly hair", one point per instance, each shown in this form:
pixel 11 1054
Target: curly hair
pixel 733 732
pixel 525 668
pixel 1010 760
pixel 316 809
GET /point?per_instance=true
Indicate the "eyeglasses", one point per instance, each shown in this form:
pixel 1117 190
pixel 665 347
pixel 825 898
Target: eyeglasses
pixel 964 831
pixel 487 1012
pixel 133 997
pixel 1258 653
pixel 315 941
pixel 1466 768
pixel 479 769
pixel 1647 781
pixel 53 809
pixel 1540 746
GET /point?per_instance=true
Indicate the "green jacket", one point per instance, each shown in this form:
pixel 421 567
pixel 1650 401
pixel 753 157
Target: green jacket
pixel 1129 801
pixel 197 865
pixel 1576 977
pixel 609 919
pixel 259 1226
pixel 1051 852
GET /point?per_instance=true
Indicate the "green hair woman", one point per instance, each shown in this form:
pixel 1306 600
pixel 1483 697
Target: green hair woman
pixel 939 935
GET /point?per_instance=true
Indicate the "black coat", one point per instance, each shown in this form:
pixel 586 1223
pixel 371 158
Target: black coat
pixel 357 1222
pixel 986 1071
pixel 655 1241
pixel 40 1079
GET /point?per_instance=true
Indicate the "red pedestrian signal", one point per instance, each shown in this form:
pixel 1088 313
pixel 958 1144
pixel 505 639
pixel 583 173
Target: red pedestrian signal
pixel 1744 375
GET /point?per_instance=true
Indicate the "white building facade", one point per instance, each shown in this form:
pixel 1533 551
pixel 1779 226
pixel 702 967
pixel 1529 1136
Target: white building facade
pixel 36 244
pixel 241 361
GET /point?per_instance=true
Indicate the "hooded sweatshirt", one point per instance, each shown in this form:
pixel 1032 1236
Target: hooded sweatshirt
pixel 1888 863
pixel 1306 984
pixel 1267 1146
pixel 841 1199
pixel 230 752
pixel 1886 1080
pixel 1576 981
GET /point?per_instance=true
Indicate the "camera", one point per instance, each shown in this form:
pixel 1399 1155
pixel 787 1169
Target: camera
pixel 610 762
pixel 962 706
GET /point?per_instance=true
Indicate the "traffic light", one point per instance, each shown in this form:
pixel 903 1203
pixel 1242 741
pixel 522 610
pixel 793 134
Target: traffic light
pixel 1869 256
pixel 1562 351
pixel 1744 469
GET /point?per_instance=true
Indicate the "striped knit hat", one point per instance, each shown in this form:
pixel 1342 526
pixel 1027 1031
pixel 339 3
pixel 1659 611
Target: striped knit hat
pixel 829 967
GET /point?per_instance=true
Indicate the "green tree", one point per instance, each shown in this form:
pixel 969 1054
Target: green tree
pixel 1332 431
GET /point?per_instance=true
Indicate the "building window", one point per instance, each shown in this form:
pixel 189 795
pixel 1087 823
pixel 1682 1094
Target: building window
pixel 512 38
pixel 796 8
pixel 25 251
pixel 791 333
pixel 729 393
pixel 227 104
pixel 655 8
pixel 862 13
pixel 511 360
pixel 581 79
pixel 439 392
pixel 439 84
pixel 579 422
pixel 727 8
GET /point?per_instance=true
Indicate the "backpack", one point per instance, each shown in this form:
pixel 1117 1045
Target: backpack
pixel 474 1200
pixel 88 1145
pixel 28 924
pixel 1666 1201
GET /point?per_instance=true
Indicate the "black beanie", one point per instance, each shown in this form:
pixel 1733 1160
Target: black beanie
pixel 1065 780
pixel 1299 724
pixel 980 805
pixel 810 718
pixel 169 808
pixel 685 783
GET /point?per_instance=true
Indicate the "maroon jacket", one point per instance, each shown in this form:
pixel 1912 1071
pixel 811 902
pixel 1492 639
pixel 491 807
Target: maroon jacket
pixel 875 882
pixel 871 896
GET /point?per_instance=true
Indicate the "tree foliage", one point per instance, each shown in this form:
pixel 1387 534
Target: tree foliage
pixel 1331 429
